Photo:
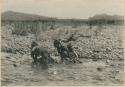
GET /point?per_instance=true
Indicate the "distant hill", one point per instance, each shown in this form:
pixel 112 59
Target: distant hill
pixel 106 17
pixel 18 16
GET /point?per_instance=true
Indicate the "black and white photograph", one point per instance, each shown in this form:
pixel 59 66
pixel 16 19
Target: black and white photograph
pixel 62 42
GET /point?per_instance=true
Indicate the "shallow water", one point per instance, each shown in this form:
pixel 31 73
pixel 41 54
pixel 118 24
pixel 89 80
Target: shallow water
pixel 60 74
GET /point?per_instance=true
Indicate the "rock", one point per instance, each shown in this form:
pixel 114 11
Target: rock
pixel 107 61
pixel 8 57
pixel 99 69
pixel 14 65
pixel 55 72
pixel 95 59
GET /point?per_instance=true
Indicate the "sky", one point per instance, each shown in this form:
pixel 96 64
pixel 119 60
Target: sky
pixel 65 8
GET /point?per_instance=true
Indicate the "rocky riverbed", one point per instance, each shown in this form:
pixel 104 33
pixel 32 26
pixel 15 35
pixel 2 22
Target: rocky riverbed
pixel 100 49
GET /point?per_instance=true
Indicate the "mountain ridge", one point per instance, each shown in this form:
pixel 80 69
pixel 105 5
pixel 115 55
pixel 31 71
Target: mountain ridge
pixel 19 16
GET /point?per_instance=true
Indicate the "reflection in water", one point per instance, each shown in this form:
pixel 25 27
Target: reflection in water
pixel 41 69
